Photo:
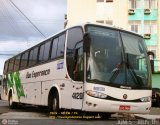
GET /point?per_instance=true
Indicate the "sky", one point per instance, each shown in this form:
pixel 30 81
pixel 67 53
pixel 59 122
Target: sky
pixel 17 33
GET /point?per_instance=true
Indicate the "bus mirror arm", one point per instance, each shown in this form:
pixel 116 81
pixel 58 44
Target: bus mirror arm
pixel 87 43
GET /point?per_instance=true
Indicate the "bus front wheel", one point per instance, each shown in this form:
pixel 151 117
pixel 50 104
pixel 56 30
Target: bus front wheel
pixel 105 115
pixel 54 102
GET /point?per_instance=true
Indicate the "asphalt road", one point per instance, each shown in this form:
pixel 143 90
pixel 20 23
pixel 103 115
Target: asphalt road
pixel 31 115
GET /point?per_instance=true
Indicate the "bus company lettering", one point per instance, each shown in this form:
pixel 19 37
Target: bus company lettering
pixel 37 74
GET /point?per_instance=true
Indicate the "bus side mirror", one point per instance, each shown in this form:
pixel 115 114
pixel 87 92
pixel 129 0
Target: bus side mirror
pixel 151 58
pixel 87 42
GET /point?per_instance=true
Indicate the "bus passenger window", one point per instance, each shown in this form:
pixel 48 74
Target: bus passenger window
pixel 16 63
pixel 24 60
pixel 60 49
pixel 33 56
pixel 44 52
pixel 40 59
pixel 6 67
pixel 30 58
pixel 11 63
pixel 54 49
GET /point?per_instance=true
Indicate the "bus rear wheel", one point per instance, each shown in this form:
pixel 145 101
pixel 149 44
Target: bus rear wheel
pixel 12 105
pixel 54 102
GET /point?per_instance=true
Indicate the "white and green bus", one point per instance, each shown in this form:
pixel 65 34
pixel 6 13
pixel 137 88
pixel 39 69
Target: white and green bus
pixel 89 67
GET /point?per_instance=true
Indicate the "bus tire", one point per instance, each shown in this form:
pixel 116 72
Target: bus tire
pixel 12 105
pixel 158 101
pixel 105 115
pixel 54 102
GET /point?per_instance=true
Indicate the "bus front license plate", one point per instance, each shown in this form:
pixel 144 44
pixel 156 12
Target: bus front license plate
pixel 124 107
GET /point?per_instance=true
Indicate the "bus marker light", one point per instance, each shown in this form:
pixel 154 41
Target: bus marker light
pixel 94 105
pixel 124 107
pixel 66 76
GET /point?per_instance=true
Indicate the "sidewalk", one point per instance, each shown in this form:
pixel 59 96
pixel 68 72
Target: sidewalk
pixel 153 115
pixel 148 117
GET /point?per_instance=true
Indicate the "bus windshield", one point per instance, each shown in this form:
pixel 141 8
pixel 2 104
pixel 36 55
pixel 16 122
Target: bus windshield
pixel 117 58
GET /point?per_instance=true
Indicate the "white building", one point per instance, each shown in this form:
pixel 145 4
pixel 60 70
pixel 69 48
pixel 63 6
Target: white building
pixel 141 16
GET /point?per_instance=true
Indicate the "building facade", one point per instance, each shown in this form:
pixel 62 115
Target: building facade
pixel 141 16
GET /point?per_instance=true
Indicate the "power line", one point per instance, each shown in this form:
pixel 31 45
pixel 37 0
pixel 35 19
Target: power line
pixel 5 54
pixel 27 18
pixel 9 51
pixel 6 14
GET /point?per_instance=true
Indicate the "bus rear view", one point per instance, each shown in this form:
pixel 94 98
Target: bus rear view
pixel 117 71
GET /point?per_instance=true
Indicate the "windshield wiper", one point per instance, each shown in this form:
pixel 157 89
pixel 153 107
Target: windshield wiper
pixel 116 71
pixel 137 79
pixel 96 80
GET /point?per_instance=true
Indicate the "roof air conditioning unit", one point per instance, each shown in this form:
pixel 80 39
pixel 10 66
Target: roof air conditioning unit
pixel 131 12
pixel 147 36
pixel 147 11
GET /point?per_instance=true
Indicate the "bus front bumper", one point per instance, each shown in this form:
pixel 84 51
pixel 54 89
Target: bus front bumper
pixel 92 104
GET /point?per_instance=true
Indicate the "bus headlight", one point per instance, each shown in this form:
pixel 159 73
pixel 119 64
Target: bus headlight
pixel 96 94
pixel 145 99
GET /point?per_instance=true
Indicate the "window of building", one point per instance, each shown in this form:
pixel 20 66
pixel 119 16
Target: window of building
pixel 135 28
pixel 134 4
pixel 110 22
pixel 147 4
pixel 109 0
pixel 100 0
pixel 150 4
pixel 150 28
pixel 100 21
pixel 154 29
pixel 153 4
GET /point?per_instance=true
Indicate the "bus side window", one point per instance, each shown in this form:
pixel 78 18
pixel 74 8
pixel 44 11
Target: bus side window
pixel 60 48
pixel 44 52
pixel 24 60
pixel 30 58
pixel 41 52
pixel 33 56
pixel 11 64
pixel 75 35
pixel 16 63
pixel 54 48
pixel 6 67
